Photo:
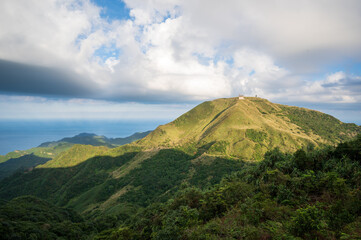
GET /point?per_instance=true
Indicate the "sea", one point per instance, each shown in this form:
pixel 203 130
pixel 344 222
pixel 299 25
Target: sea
pixel 25 134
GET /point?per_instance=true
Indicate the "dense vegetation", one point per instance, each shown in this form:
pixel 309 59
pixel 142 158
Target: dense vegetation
pixel 321 124
pixel 28 217
pixel 99 185
pixel 311 194
pixel 20 164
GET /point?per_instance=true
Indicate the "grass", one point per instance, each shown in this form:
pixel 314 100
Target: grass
pixel 248 128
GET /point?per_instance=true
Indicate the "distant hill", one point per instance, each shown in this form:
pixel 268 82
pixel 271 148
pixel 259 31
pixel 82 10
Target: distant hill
pixel 248 128
pixel 95 140
pixel 20 160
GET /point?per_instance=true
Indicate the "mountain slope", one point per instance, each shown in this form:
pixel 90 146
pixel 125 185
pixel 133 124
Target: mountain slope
pixel 248 128
pixel 21 163
pixel 75 155
pixel 58 151
pixel 107 184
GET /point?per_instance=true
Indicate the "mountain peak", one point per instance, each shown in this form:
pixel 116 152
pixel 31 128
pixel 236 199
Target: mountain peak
pixel 249 127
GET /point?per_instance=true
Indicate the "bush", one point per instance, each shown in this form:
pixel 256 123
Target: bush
pixel 307 222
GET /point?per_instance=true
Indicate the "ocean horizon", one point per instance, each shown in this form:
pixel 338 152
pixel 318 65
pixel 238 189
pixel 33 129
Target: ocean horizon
pixel 25 134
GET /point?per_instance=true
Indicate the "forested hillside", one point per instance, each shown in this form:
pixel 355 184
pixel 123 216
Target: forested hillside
pixel 311 194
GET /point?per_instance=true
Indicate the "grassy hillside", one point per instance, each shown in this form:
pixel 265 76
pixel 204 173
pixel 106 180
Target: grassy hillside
pixel 248 128
pixel 75 155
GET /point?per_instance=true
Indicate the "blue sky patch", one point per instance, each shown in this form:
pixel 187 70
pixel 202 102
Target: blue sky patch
pixel 113 9
pixel 105 52
pixel 202 59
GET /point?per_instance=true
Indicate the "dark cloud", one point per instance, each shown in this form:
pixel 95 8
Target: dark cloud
pixel 34 80
pixel 349 83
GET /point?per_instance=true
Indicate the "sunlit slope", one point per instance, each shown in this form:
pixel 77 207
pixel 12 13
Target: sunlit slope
pixel 248 128
pixel 75 155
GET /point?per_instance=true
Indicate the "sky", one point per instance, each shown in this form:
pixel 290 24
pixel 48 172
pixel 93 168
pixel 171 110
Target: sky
pixel 156 59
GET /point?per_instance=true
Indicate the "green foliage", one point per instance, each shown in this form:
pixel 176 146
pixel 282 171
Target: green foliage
pixel 321 124
pixel 212 172
pixel 155 177
pixel 278 198
pixel 75 155
pixel 256 136
pixel 31 218
pixel 60 185
pixel 311 194
pixel 22 163
pixel 307 222
pixel 219 148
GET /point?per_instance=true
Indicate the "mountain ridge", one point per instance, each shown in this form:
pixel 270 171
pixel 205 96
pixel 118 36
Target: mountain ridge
pixel 234 126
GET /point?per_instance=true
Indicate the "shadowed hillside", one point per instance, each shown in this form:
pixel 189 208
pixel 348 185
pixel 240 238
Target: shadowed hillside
pixel 108 183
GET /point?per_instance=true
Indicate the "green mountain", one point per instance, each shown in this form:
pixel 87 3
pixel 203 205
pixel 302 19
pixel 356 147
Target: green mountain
pixel 95 140
pixel 248 128
pixel 169 184
pixel 57 151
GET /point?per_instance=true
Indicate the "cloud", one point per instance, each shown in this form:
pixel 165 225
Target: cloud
pixel 336 88
pixel 298 33
pixel 28 79
pixel 25 107
pixel 180 51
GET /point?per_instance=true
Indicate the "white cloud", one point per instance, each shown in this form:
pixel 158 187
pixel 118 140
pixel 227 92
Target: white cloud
pixel 337 87
pixel 190 50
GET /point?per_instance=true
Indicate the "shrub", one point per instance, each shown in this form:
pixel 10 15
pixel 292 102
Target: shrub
pixel 307 222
